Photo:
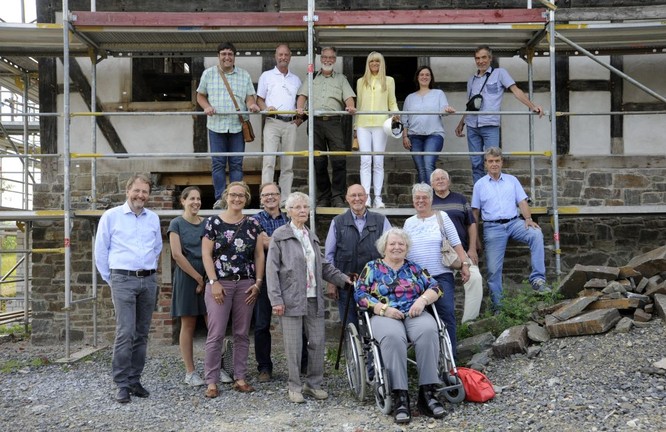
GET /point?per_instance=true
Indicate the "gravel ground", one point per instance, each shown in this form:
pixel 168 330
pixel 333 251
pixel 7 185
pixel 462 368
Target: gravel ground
pixel 592 383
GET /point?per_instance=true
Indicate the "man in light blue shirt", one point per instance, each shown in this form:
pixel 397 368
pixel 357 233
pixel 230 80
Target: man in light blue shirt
pixel 127 247
pixel 483 130
pixel 494 202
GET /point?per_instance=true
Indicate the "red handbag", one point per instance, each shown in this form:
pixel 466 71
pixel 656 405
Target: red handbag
pixel 478 387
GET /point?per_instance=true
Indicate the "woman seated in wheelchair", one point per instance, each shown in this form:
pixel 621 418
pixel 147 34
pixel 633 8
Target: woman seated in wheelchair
pixel 397 291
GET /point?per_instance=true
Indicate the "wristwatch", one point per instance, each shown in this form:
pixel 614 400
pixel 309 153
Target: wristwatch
pixel 211 281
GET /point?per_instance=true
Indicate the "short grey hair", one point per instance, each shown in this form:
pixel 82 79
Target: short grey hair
pixel 423 188
pixel 439 171
pixel 381 241
pixel 493 151
pixel 294 197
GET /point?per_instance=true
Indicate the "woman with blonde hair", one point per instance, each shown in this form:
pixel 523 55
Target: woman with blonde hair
pixel 233 256
pixel 375 92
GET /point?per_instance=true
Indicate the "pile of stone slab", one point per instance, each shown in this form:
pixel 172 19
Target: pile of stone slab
pixel 596 299
pixel 600 296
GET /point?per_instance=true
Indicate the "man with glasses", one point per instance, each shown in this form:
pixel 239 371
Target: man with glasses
pixel 331 92
pixel 350 244
pixel 276 91
pixel 270 219
pixel 456 206
pixel 225 133
pixel 483 130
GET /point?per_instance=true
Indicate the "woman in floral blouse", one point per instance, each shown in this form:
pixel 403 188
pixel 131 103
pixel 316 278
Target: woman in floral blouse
pixel 234 261
pixel 397 291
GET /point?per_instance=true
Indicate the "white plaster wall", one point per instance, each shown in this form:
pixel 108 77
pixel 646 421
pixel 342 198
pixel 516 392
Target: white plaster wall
pixel 590 135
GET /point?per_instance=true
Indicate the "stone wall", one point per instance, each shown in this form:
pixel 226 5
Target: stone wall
pixel 600 240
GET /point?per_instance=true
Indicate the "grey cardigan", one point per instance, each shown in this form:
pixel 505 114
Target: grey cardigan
pixel 286 272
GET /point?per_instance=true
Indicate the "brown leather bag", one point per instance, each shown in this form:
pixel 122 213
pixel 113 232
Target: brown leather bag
pixel 248 133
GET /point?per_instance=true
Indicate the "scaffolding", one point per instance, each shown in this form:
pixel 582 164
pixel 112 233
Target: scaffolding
pixel 528 32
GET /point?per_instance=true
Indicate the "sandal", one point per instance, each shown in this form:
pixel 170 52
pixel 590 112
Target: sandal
pixel 243 388
pixel 212 393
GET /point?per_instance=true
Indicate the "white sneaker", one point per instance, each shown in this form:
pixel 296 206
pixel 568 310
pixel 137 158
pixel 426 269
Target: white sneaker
pixel 193 379
pixel 296 397
pixel 315 393
pixel 379 203
pixel 224 377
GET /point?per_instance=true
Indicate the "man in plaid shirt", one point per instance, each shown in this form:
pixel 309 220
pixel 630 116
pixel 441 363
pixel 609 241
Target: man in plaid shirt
pixel 225 131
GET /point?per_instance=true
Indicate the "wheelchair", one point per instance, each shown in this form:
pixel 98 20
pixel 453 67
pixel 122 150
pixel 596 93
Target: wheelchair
pixel 361 347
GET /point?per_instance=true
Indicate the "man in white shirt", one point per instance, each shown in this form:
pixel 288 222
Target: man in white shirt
pixel 276 91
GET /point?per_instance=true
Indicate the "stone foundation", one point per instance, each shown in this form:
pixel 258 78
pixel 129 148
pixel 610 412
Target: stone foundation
pixel 599 240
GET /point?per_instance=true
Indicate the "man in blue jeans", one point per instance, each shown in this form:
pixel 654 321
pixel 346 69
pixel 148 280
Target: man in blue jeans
pixel 494 202
pixel 127 246
pixel 225 133
pixel 483 130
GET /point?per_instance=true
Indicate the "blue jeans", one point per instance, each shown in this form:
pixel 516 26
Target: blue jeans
pixel 352 316
pixel 425 165
pixel 134 301
pixel 226 143
pixel 446 307
pixel 479 140
pixel 495 237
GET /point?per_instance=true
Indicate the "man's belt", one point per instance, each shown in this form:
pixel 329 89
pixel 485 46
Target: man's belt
pixel 135 273
pixel 279 117
pixel 327 118
pixel 501 221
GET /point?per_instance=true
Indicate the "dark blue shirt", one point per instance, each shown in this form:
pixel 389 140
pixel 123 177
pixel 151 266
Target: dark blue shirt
pixel 270 224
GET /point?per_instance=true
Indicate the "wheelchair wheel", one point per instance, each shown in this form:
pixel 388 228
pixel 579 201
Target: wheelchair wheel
pixel 382 385
pixel 452 388
pixel 355 362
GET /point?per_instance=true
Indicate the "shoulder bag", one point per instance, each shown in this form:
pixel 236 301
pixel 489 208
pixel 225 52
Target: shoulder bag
pixel 474 102
pixel 449 255
pixel 248 133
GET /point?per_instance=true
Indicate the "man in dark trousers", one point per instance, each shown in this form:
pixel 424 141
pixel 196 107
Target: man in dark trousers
pixel 350 244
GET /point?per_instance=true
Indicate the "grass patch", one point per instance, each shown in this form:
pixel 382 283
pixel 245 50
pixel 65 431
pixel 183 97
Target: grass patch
pixel 15 365
pixel 520 304
pixel 18 330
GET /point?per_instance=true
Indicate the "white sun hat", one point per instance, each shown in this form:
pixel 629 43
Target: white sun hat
pixel 393 128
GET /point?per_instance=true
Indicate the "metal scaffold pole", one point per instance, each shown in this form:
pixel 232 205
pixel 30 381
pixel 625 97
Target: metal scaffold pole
pixel 553 140
pixel 66 163
pixel 311 59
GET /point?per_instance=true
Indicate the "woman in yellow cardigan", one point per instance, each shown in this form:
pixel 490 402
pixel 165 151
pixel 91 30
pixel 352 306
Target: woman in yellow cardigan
pixel 375 92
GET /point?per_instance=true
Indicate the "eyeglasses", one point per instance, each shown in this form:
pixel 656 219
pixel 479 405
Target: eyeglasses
pixel 236 195
pixel 357 195
pixel 270 194
pixel 300 207
pixel 328 57
pixel 422 198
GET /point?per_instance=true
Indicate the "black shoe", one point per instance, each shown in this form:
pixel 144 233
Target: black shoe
pixel 338 202
pixel 402 413
pixel 429 404
pixel 123 395
pixel 138 390
pixel 323 202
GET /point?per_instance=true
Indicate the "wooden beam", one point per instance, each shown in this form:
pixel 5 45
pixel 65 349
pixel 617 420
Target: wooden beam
pixel 198 179
pixel 295 18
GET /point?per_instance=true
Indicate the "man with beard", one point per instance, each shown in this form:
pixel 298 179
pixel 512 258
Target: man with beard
pixel 127 246
pixel 331 92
